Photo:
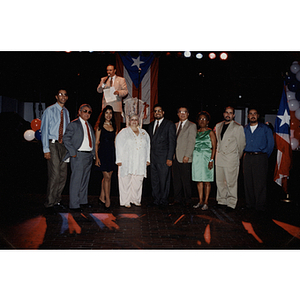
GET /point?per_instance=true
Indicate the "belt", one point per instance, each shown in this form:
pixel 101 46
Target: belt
pixel 53 141
pixel 255 153
pixel 85 151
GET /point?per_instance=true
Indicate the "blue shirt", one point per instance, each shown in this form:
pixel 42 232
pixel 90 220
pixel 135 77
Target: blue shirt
pixel 261 140
pixel 50 124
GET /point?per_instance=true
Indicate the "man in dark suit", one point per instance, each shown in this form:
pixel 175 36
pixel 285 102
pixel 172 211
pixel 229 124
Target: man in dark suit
pixel 186 132
pixel 163 142
pixel 79 139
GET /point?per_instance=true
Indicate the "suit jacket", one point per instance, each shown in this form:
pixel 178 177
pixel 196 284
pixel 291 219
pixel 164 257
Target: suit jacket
pixel 230 148
pixel 121 86
pixel 163 143
pixel 186 141
pixel 73 138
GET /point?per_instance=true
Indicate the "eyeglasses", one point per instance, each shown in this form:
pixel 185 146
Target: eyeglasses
pixel 182 112
pixel 62 94
pixel 87 111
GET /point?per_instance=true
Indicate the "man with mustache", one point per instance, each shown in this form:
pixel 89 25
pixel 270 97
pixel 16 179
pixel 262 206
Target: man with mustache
pixel 230 145
pixel 259 147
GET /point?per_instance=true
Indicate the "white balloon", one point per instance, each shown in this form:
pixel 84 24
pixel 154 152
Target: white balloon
pixel 297 113
pixel 294 143
pixel 295 62
pixel 295 68
pixel 291 95
pixel 29 135
pixel 293 105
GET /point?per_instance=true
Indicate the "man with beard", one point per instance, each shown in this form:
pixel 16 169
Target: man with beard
pixel 230 145
pixel 162 134
pixel 259 147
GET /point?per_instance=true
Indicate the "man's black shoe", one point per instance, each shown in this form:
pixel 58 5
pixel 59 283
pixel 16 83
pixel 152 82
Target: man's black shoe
pixel 87 205
pixel 76 209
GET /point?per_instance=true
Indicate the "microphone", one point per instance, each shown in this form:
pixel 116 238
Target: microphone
pixel 106 79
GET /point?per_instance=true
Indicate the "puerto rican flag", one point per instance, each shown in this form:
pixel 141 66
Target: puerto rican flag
pixel 283 144
pixel 141 75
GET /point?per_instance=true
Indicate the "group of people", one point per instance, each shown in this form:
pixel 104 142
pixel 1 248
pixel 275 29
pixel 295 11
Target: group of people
pixel 184 151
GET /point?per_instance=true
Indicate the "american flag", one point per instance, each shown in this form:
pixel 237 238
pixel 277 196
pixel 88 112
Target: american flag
pixel 283 144
pixel 140 72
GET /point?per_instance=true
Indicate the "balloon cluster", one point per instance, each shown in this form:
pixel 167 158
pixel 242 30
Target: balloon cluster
pixel 292 79
pixel 34 132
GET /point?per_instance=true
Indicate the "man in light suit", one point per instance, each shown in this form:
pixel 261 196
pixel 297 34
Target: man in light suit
pixel 186 132
pixel 230 145
pixel 163 142
pixel 121 91
pixel 79 139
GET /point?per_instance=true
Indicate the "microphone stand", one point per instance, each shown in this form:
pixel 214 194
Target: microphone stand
pixel 138 102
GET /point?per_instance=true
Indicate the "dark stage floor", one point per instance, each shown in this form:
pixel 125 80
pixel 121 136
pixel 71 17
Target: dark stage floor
pixel 25 225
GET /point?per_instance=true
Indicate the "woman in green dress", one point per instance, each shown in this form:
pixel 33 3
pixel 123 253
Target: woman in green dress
pixel 203 159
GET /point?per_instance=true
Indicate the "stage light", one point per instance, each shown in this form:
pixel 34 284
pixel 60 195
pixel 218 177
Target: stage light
pixel 168 54
pixel 187 54
pixel 212 55
pixel 179 54
pixel 223 56
pixel 199 55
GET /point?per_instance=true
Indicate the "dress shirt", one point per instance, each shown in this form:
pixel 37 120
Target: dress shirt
pixel 155 122
pixel 85 143
pixel 113 80
pixel 50 124
pixel 261 140
pixel 182 124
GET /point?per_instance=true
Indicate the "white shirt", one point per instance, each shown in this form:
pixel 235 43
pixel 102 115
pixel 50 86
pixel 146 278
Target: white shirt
pixel 253 127
pixel 85 144
pixel 155 122
pixel 107 82
pixel 183 123
pixel 133 152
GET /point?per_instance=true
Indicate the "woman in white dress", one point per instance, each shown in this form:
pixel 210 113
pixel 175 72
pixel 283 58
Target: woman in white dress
pixel 132 158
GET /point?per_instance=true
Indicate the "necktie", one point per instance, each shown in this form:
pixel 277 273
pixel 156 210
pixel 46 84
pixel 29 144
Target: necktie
pixel 89 136
pixel 61 126
pixel 156 127
pixel 111 82
pixel 180 127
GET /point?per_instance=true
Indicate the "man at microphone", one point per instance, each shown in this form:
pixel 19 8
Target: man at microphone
pixel 119 85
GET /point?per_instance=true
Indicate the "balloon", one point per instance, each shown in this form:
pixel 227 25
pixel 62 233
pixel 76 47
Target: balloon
pixel 290 95
pixel 297 114
pixel 293 86
pixel 36 124
pixel 38 134
pixel 295 122
pixel 297 134
pixel 289 77
pixel 294 143
pixel 295 62
pixel 295 68
pixel 293 105
pixel 29 135
pixel 298 76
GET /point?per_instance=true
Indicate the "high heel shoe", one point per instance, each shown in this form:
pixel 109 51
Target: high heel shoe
pixel 198 205
pixel 205 207
pixel 100 201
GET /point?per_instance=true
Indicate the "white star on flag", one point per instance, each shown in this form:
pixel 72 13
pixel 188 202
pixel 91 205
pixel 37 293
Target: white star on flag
pixel 137 62
pixel 285 119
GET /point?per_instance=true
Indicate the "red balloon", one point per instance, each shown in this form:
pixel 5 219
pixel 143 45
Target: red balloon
pixel 297 134
pixel 36 124
pixel 295 123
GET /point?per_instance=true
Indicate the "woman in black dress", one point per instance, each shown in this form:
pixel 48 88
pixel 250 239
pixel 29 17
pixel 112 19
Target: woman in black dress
pixel 105 131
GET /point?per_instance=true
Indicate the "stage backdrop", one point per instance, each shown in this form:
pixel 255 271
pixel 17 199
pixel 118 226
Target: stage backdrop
pixel 141 75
